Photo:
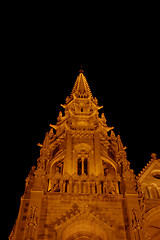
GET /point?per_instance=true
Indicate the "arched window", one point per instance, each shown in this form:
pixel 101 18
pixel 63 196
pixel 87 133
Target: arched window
pixel 153 191
pixel 82 166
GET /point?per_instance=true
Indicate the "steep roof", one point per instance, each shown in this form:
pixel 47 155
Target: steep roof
pixel 81 88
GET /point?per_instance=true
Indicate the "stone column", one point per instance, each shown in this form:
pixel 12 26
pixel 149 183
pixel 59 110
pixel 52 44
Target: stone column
pixel 97 155
pixel 68 163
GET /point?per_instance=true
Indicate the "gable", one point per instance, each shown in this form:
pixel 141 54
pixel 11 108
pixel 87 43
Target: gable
pixel 151 173
pixel 84 223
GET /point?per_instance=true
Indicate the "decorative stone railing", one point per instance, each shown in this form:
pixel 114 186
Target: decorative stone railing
pixel 83 185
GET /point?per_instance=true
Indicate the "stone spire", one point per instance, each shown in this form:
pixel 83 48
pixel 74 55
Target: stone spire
pixel 81 88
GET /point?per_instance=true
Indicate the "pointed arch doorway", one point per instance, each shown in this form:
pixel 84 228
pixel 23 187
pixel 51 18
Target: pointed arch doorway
pixel 85 238
pixel 84 230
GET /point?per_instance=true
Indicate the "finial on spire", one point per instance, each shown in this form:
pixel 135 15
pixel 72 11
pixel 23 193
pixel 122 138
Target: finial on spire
pixel 81 69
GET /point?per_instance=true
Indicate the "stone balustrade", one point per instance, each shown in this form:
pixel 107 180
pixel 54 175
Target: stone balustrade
pixel 83 186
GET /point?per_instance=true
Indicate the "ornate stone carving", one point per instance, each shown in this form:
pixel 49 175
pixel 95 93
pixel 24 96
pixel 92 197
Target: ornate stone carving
pixel 30 179
pixel 31 223
pixel 129 181
pixel 135 220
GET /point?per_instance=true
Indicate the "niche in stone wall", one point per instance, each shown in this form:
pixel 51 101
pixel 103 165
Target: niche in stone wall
pixel 56 173
pixel 108 169
pixel 151 191
pixel 57 168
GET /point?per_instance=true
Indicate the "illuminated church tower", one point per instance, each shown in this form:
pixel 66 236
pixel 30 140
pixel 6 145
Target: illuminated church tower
pixel 83 187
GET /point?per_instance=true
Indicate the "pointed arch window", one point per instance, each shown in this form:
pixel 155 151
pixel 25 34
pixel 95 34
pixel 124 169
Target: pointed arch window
pixel 82 166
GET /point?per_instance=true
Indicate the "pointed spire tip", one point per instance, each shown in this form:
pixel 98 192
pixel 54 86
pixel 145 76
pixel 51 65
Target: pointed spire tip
pixel 81 71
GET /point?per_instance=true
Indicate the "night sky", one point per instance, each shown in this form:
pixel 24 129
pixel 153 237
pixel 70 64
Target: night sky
pixel 128 89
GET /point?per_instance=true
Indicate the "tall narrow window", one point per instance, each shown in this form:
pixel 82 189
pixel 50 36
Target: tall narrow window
pixel 86 166
pixel 82 166
pixel 79 166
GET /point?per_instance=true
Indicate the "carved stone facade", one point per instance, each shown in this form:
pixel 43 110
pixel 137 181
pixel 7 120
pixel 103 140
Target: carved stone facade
pixel 83 187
